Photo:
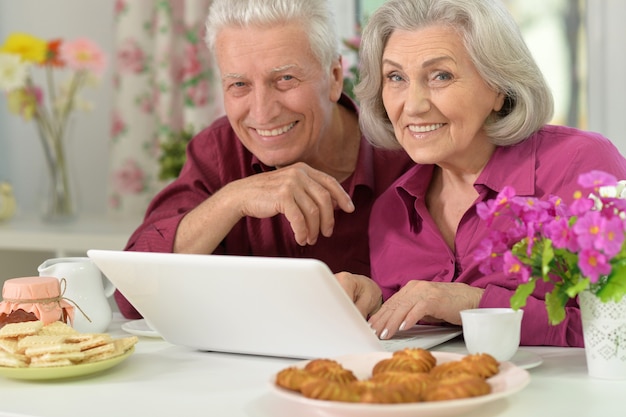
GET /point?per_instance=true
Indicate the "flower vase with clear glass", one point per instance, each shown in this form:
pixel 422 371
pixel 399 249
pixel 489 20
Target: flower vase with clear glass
pixel 58 198
pixel 577 248
pixel 85 62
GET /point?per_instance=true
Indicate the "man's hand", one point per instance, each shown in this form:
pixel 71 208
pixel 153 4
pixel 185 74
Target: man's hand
pixel 305 196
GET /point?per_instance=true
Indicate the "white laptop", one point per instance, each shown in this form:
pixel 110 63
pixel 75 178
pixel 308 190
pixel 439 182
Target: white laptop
pixel 282 307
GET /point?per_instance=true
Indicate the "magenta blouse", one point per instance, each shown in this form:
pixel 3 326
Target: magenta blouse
pixel 406 244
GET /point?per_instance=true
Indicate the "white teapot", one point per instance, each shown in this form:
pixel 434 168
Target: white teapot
pixel 85 288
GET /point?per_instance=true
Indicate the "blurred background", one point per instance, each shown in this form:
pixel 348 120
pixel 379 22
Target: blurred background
pixel 159 88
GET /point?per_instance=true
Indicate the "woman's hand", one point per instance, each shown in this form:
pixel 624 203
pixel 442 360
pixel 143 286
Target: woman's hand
pixel 364 292
pixel 427 301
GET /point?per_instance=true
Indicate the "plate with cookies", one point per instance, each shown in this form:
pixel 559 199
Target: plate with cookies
pixel 34 351
pixel 408 382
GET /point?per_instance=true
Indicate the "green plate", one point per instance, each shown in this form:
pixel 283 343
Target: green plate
pixel 59 372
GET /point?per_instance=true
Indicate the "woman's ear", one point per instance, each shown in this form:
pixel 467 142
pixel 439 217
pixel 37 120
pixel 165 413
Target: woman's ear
pixel 499 102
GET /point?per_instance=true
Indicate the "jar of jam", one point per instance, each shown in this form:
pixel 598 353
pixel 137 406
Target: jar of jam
pixel 34 298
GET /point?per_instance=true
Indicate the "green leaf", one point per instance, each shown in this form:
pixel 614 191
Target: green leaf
pixel 555 305
pixel 547 257
pixel 572 289
pixel 518 300
pixel 173 154
pixel 615 286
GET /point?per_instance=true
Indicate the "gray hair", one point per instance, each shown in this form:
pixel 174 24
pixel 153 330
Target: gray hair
pixel 315 16
pixel 495 45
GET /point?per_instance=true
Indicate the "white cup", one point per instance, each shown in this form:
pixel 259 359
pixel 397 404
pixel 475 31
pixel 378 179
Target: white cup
pixel 495 331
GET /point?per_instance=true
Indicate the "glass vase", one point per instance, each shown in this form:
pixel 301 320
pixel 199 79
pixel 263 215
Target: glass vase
pixel 604 333
pixel 58 199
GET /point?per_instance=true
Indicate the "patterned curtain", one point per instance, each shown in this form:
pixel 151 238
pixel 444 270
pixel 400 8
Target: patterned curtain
pixel 165 88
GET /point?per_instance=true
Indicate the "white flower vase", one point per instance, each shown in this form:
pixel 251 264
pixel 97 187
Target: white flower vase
pixel 604 332
pixel 58 200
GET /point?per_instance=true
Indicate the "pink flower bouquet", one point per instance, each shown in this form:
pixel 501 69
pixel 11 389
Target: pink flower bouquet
pixel 575 248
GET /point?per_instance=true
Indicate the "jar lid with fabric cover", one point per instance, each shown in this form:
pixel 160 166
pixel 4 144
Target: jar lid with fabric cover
pixel 34 298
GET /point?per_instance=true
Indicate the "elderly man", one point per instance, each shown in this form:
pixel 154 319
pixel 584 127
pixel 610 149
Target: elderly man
pixel 286 172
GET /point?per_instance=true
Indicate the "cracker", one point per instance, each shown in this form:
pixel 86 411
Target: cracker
pixel 8 345
pixel 103 356
pixel 13 360
pixel 120 346
pixel 52 357
pixel 125 343
pixel 56 344
pixel 57 348
pixel 60 362
pixel 21 329
pixel 57 328
pixel 106 348
pixel 37 340
pixel 94 340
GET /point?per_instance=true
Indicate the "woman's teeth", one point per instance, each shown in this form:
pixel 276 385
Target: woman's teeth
pixel 427 128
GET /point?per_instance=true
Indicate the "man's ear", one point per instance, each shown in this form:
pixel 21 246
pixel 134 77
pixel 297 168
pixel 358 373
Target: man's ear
pixel 336 79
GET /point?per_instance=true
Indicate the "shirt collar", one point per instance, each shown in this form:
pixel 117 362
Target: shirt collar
pixel 513 165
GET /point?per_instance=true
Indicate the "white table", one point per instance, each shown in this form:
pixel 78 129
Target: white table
pixel 160 379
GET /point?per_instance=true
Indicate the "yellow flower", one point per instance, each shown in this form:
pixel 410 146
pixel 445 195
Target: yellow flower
pixel 30 48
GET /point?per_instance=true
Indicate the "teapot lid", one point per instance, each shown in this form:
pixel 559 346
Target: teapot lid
pixel 38 295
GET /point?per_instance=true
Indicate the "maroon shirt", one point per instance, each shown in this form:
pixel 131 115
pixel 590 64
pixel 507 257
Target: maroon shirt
pixel 216 157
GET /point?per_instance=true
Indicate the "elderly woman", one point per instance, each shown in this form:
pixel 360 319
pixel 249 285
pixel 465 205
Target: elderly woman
pixel 453 83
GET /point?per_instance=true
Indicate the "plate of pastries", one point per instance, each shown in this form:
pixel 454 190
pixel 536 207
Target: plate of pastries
pixel 36 351
pixel 408 382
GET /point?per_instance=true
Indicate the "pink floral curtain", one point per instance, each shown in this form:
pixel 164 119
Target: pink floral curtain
pixel 165 84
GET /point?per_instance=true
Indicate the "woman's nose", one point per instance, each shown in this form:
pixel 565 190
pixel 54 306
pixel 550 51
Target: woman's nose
pixel 417 99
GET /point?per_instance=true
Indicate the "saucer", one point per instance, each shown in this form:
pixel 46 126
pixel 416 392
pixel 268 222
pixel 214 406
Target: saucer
pixel 139 328
pixel 525 359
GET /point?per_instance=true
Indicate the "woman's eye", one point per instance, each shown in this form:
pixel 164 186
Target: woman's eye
pixel 394 77
pixel 443 76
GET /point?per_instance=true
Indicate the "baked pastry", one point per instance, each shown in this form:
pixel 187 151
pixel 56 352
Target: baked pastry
pixel 421 355
pixel 401 363
pixel 456 386
pixel 292 378
pixel 339 375
pixel 330 370
pixel 409 375
pixel 413 381
pixel 481 364
pixel 323 389
pixel 389 394
pixel 317 364
pixel 447 369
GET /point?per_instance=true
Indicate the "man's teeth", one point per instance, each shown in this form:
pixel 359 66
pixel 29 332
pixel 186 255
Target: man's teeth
pixel 422 129
pixel 276 132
